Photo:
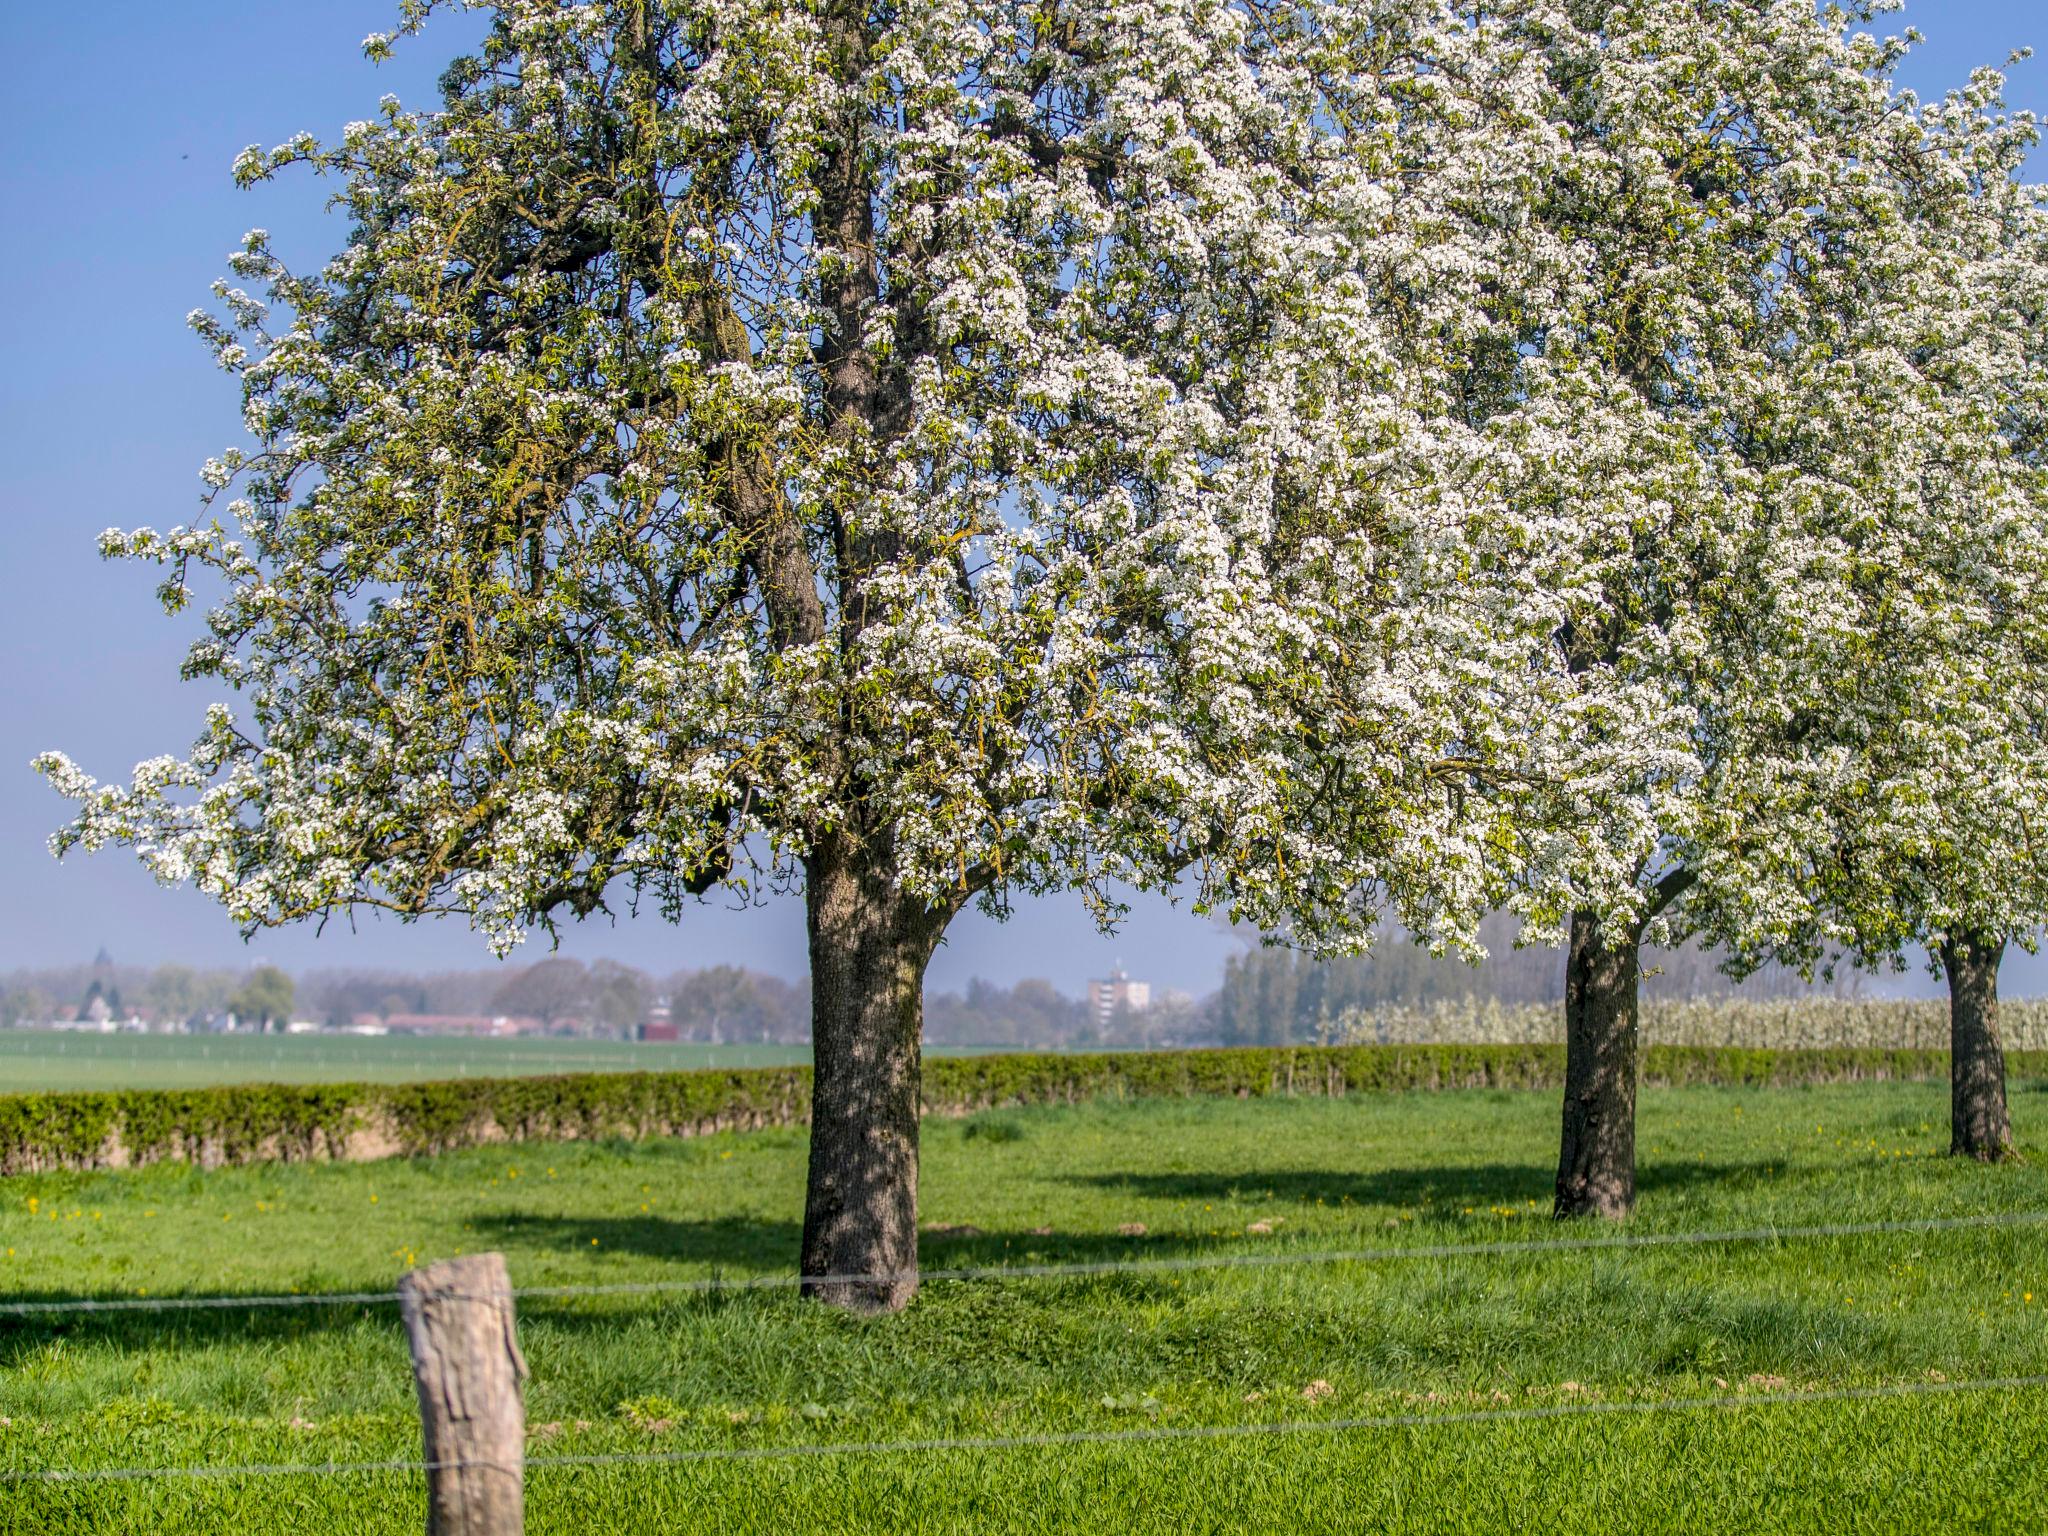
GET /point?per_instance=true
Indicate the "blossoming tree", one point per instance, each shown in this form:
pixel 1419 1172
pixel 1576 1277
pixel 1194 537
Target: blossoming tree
pixel 1935 750
pixel 1761 202
pixel 915 454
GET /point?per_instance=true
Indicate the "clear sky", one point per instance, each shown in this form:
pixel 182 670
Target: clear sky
pixel 117 126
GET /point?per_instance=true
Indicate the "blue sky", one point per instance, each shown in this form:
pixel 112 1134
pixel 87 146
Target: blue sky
pixel 116 212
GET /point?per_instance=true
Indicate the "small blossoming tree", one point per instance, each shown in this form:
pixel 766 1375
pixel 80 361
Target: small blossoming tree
pixel 915 454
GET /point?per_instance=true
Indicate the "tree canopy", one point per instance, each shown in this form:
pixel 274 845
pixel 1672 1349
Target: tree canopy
pixel 1334 457
pixel 729 424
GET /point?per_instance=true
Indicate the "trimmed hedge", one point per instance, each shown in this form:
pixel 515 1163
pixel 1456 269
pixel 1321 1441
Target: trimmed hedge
pixel 360 1121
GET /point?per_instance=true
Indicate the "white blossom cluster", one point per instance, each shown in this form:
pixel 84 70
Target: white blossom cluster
pixel 1916 817
pixel 1348 454
pixel 1794 542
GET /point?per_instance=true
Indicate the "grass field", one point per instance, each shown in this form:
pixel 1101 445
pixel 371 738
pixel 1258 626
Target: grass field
pixel 46 1060
pixel 1457 1335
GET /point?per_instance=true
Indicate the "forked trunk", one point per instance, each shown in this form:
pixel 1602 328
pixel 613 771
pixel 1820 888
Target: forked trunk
pixel 1596 1166
pixel 869 947
pixel 1979 1125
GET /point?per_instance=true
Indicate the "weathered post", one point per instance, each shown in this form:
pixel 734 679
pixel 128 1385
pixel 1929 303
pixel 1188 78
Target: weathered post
pixel 467 1365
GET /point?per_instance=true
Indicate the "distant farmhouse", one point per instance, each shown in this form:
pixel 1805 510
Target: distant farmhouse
pixel 660 1026
pixel 475 1025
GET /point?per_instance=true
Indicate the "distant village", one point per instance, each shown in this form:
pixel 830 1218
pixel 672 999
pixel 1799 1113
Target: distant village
pixel 555 998
pixel 1269 996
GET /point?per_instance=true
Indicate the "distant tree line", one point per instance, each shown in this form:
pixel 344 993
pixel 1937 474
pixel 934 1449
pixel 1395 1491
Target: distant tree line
pixel 1277 996
pixel 724 1003
pixel 170 993
pixel 41 993
pixel 603 998
pixel 1033 1014
pixel 1269 996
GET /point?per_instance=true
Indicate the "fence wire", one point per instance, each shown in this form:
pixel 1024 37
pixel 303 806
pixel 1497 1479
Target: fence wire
pixel 1284 1427
pixel 1391 1253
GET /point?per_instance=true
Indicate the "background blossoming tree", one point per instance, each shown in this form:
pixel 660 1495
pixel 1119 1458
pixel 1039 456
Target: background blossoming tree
pixel 1931 835
pixel 917 454
pixel 1771 231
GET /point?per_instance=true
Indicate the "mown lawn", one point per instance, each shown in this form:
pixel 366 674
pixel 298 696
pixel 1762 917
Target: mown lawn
pixel 1458 1335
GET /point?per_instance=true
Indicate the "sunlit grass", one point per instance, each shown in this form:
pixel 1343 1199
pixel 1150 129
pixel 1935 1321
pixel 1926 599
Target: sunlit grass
pixel 1214 1346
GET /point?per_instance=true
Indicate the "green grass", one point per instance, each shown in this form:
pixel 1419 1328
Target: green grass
pixel 759 1369
pixel 63 1061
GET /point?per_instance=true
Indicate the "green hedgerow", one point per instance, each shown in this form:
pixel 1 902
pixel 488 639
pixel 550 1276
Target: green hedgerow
pixel 267 1122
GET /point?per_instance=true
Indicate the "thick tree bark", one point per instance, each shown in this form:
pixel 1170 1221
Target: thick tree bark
pixel 1979 1125
pixel 1596 1166
pixel 869 948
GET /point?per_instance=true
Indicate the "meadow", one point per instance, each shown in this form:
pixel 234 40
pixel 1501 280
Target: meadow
pixel 58 1061
pixel 55 1061
pixel 1608 1338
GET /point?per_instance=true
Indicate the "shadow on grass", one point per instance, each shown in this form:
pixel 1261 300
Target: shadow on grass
pixel 734 1249
pixel 1478 1184
pixel 744 1244
pixel 738 1249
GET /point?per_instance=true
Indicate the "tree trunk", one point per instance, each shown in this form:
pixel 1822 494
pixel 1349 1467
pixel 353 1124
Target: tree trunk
pixel 1596 1166
pixel 1979 1125
pixel 869 948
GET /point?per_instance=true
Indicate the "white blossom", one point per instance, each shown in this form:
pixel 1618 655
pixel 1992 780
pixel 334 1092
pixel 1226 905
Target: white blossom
pixel 614 518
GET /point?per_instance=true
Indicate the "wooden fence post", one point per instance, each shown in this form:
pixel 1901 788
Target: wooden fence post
pixel 466 1362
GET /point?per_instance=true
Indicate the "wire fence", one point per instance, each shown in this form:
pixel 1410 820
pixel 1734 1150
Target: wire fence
pixel 1424 1420
pixel 1390 1253
pixel 1059 1438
